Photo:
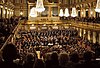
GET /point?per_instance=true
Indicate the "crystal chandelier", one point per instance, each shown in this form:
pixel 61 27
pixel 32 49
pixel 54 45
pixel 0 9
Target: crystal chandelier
pixel 98 6
pixel 33 12
pixel 66 12
pixel 74 14
pixel 61 14
pixel 40 6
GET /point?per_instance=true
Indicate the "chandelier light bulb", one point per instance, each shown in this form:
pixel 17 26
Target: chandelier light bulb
pixel 91 12
pixel 74 14
pixel 61 14
pixel 98 6
pixel 66 12
pixel 40 6
pixel 82 12
pixel 33 12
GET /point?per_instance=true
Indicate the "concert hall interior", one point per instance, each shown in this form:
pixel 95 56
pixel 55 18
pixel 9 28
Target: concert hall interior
pixel 49 33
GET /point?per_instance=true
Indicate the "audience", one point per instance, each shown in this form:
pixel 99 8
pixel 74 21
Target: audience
pixel 59 48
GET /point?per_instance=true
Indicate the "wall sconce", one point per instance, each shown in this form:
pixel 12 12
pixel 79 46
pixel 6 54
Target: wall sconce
pixel 78 10
pixel 32 24
pixel 86 9
pixel 21 13
pixel 5 7
pixel 1 6
pixel 82 13
pixel 91 12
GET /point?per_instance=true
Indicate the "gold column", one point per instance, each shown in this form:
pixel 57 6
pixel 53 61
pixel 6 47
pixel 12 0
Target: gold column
pixel 81 12
pixel 7 13
pixel 80 32
pixel 49 12
pixel 94 37
pixel 89 38
pixel 94 13
pixel 84 33
pixel 89 12
pixel 99 38
pixel 1 11
pixel 28 11
pixel 4 12
pixel 58 11
pixel 84 12
pixel 77 29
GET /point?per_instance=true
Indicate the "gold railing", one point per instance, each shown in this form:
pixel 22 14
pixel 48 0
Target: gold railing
pixel 85 25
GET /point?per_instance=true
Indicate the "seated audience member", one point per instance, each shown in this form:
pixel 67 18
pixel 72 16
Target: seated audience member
pixel 63 60
pixel 87 57
pixel 87 61
pixel 54 60
pixel 9 55
pixel 74 61
pixel 29 61
pixel 74 58
pixel 39 64
pixel 47 60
